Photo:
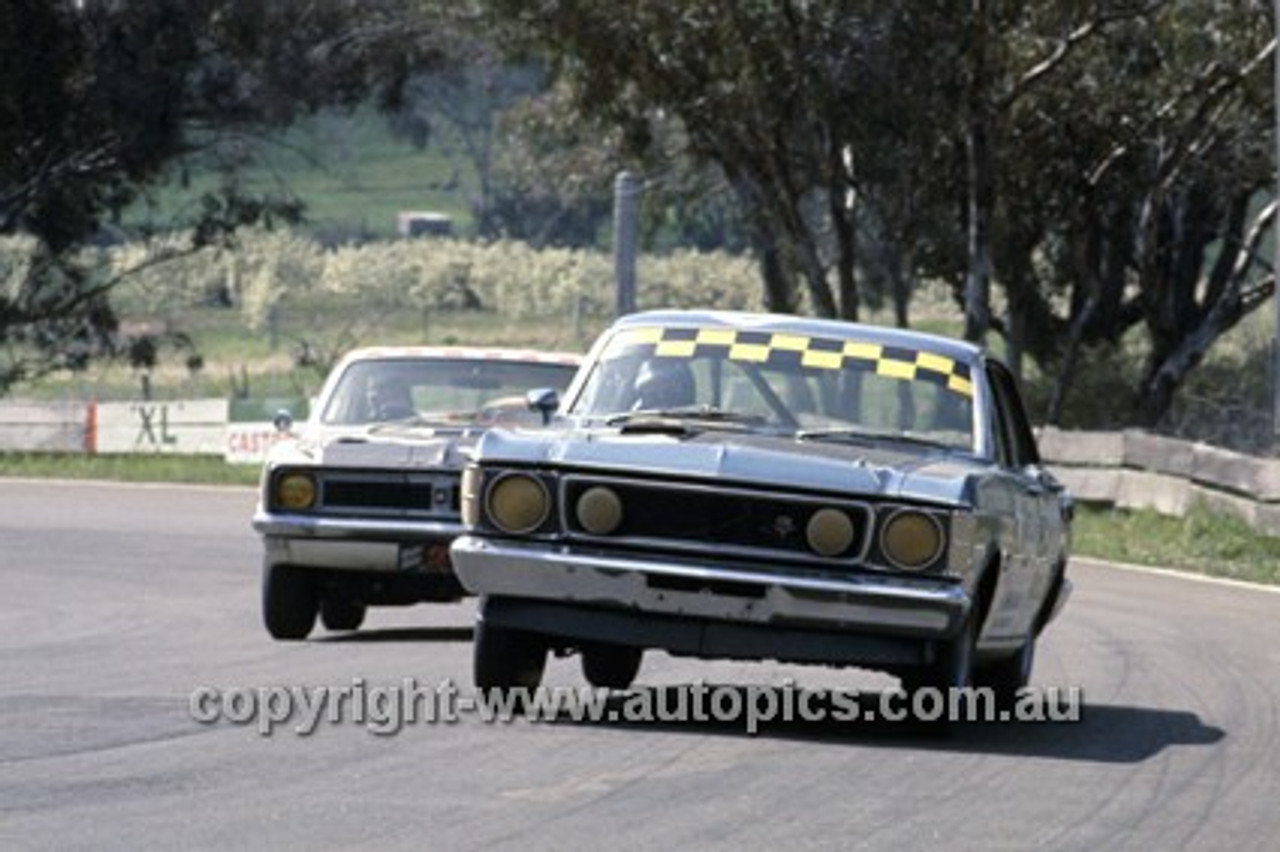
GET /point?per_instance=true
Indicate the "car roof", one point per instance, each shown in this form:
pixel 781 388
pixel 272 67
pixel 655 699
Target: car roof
pixel 958 350
pixel 479 353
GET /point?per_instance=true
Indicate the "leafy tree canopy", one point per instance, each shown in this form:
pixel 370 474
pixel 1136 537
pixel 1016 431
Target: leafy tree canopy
pixel 99 98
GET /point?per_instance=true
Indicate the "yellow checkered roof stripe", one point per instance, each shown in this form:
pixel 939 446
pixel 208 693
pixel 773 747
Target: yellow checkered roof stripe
pixel 772 348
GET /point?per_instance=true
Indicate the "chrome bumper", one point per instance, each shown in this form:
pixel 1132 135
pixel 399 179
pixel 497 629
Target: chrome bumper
pixel 352 544
pixel 908 607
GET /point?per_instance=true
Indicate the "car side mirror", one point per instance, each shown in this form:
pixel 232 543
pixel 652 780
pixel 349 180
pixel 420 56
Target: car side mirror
pixel 545 401
pixel 283 421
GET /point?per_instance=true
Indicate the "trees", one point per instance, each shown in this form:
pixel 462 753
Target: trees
pixel 1076 173
pixel 1135 160
pixel 101 98
pixel 734 75
pixel 1072 171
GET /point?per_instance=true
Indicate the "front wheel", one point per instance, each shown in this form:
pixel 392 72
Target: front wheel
pixel 952 667
pixel 507 658
pixel 289 602
pixel 609 666
pixel 341 614
pixel 1007 676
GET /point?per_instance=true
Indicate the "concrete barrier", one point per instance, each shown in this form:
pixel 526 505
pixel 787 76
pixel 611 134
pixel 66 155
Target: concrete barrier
pixel 47 427
pixel 1136 470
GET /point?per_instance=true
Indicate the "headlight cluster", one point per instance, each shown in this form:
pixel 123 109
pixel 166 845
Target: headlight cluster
pixel 519 502
pixel 294 491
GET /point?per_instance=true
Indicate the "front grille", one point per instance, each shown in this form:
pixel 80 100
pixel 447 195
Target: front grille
pixel 390 494
pixel 697 517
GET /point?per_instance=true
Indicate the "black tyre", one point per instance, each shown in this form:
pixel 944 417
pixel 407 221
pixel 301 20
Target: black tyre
pixel 341 614
pixel 507 659
pixel 1008 675
pixel 610 666
pixel 289 602
pixel 952 668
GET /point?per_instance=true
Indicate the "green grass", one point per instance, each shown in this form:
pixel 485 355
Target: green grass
pixel 1204 542
pixel 208 470
pixel 238 358
pixel 353 175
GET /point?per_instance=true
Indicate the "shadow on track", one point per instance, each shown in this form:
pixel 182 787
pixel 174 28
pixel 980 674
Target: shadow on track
pixel 1100 733
pixel 400 634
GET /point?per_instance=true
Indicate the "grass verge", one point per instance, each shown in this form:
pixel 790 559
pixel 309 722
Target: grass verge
pixel 208 470
pixel 1203 542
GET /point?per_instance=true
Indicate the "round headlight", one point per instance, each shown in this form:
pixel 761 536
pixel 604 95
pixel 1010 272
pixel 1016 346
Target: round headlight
pixel 911 539
pixel 295 491
pixel 599 510
pixel 518 503
pixel 829 532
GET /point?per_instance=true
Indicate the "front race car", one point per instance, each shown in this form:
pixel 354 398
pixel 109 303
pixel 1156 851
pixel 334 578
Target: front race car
pixel 795 490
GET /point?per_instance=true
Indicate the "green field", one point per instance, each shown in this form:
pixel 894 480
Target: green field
pixel 352 173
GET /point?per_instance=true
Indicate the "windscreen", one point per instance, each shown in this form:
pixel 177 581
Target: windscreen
pixel 785 381
pixel 440 390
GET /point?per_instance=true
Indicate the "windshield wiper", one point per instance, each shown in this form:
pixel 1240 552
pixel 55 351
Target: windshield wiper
pixel 869 436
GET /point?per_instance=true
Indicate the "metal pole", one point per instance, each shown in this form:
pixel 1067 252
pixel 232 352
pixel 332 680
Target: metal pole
pixel 1275 272
pixel 626 192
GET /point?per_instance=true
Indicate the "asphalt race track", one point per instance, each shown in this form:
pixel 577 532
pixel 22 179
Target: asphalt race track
pixel 127 611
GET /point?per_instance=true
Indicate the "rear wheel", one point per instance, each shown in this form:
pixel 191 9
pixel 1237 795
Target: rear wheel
pixel 289 602
pixel 610 666
pixel 341 614
pixel 506 658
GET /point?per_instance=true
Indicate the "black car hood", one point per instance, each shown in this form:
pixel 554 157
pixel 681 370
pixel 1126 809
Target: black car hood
pixel 887 469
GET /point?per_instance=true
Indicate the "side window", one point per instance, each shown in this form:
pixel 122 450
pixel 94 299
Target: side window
pixel 999 425
pixel 1015 441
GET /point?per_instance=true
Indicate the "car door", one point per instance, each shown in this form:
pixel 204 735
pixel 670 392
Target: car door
pixel 1033 551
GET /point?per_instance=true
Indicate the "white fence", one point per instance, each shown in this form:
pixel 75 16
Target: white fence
pixel 178 427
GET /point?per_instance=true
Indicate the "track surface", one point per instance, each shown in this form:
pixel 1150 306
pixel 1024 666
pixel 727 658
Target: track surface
pixel 118 603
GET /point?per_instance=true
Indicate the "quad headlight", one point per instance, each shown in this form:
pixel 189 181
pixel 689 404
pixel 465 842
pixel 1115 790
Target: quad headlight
pixel 829 532
pixel 599 510
pixel 911 539
pixel 517 502
pixel 295 491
